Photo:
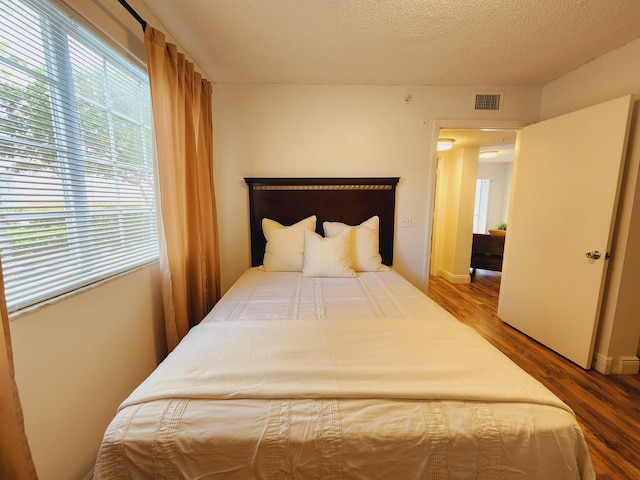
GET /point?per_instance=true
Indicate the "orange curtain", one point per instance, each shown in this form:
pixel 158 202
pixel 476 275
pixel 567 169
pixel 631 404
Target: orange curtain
pixel 182 115
pixel 15 455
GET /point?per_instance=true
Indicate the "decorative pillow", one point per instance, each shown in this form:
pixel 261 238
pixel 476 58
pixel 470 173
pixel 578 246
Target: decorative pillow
pixel 327 257
pixel 365 240
pixel 284 251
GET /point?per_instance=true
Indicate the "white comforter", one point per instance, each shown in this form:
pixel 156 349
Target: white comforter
pixel 339 378
pixel 363 358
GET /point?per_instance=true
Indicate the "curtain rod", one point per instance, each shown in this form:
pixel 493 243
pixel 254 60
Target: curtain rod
pixel 134 14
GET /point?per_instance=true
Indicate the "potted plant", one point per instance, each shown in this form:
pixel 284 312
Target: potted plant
pixel 499 229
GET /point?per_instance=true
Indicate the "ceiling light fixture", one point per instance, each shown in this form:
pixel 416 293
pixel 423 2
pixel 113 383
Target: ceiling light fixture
pixel 445 144
pixel 489 154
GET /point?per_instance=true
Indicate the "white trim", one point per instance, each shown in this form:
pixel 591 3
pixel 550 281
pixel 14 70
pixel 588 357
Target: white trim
pixel 451 278
pixel 603 364
pixel 626 365
pixel 620 365
pixel 78 291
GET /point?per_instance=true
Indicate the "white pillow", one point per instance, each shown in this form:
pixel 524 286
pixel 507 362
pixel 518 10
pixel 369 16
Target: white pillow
pixel 284 251
pixel 327 257
pixel 365 250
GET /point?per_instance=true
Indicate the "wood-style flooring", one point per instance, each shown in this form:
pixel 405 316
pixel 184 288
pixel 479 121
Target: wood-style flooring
pixel 607 406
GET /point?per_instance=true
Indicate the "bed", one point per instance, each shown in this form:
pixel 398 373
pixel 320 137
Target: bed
pixel 326 363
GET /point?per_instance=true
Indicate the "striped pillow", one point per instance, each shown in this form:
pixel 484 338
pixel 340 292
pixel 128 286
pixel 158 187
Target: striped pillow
pixel 327 257
pixel 365 253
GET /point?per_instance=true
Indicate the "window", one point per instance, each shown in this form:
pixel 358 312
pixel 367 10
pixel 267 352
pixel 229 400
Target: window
pixel 481 206
pixel 76 170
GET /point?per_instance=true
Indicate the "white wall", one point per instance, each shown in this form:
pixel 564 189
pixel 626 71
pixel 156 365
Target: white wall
pixel 320 130
pixel 453 226
pixel 610 76
pixel 78 358
pixel 619 330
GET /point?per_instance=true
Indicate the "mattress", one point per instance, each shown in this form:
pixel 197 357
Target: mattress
pixel 363 378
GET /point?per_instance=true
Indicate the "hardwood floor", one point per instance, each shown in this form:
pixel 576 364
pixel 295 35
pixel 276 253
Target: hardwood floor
pixel 607 406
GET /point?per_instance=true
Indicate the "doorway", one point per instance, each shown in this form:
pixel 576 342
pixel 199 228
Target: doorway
pixel 478 156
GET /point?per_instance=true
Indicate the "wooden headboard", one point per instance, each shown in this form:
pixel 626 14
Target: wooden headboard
pixel 347 200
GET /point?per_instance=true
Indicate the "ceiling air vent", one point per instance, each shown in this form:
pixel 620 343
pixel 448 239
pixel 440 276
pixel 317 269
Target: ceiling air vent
pixel 491 101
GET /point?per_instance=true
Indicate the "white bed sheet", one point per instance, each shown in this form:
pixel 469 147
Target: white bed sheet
pixel 180 437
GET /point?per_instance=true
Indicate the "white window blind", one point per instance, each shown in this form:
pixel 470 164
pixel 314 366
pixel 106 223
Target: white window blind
pixel 76 171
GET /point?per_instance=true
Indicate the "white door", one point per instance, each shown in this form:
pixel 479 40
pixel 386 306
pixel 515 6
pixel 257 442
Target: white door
pixel 566 185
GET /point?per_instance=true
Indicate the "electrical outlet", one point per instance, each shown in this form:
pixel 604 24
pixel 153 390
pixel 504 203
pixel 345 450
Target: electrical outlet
pixel 406 221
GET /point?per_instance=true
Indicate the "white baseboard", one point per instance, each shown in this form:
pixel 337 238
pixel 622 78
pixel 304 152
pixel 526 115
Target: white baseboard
pixel 621 365
pixel 626 365
pixel 451 278
pixel 603 364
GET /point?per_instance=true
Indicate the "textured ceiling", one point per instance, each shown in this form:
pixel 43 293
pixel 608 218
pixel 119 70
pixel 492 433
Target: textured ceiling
pixel 396 42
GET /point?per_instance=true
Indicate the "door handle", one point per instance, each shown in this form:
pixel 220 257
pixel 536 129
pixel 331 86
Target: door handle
pixel 594 255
